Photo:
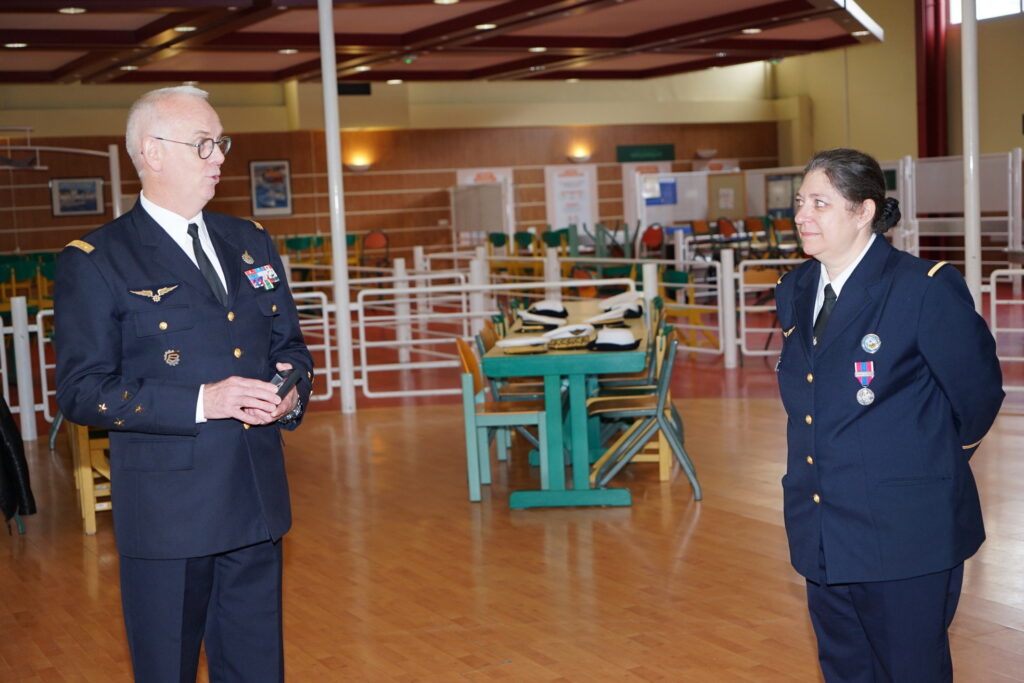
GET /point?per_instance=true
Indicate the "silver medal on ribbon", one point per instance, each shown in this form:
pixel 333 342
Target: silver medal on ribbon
pixel 865 396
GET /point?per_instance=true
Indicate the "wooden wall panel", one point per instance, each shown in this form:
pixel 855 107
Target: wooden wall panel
pixel 405 193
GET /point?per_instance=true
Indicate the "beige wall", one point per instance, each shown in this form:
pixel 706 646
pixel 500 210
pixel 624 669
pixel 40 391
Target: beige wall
pixel 1000 85
pixel 864 96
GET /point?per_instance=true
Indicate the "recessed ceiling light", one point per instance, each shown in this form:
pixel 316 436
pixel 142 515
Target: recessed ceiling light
pixel 538 49
pixel 445 2
pixel 572 80
pixel 288 51
pixel 72 10
pixel 15 46
pixel 363 68
pixel 485 27
pixel 129 67
pixel 184 29
pixel 394 81
pixel 861 34
pixel 751 31
pixel 720 54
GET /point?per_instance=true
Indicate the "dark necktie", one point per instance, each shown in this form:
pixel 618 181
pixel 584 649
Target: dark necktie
pixel 825 312
pixel 205 267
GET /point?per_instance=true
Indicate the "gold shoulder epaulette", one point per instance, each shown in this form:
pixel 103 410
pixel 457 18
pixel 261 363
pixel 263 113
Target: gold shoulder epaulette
pixel 257 224
pixel 84 246
pixel 936 267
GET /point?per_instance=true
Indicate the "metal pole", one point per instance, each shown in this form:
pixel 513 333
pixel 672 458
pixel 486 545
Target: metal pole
pixel 727 292
pixel 419 265
pixel 403 327
pixel 972 192
pixel 552 274
pixel 23 369
pixel 336 202
pixel 477 277
pixel 115 179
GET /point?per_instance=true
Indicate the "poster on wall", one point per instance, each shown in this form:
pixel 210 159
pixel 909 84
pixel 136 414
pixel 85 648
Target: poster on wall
pixel 76 196
pixel 270 184
pixel 571 196
pixel 631 172
pixel 502 175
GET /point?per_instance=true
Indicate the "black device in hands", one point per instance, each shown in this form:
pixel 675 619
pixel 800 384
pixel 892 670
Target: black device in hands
pixel 286 381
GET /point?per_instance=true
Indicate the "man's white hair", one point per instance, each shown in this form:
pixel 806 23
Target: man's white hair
pixel 144 114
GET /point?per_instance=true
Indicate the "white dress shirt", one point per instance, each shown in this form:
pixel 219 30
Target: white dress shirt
pixel 177 228
pixel 837 284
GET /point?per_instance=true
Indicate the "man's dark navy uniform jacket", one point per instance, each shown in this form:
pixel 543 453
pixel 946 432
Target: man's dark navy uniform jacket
pixel 885 489
pixel 138 330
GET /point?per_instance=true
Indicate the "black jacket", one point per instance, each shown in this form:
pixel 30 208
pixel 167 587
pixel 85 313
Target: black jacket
pixel 15 491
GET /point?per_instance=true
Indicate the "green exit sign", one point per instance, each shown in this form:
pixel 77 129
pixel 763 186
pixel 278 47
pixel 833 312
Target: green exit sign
pixel 626 153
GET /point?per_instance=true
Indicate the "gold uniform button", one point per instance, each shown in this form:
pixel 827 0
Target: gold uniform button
pixel 162 325
pixel 245 426
pixel 816 498
pixel 231 316
pixel 810 460
pixel 238 353
pixel 810 377
pixel 273 309
pixel 807 418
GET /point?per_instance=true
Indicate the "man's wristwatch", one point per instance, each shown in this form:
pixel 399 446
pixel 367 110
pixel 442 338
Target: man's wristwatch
pixel 292 414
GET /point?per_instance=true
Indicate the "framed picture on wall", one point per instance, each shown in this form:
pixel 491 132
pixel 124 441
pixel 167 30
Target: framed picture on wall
pixel 76 196
pixel 270 183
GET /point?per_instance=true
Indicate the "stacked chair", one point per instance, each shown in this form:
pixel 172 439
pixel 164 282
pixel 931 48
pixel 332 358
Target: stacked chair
pixel 649 414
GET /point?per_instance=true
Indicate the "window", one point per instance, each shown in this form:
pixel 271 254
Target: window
pixel 986 9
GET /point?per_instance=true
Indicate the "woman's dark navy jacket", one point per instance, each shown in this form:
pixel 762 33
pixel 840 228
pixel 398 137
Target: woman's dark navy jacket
pixel 885 490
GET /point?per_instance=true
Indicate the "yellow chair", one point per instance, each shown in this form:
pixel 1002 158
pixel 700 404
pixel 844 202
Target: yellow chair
pixel 90 456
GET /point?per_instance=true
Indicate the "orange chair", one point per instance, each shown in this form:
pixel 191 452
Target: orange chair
pixel 376 240
pixel 90 457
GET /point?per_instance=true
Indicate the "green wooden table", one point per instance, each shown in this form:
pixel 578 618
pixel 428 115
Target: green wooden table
pixel 576 366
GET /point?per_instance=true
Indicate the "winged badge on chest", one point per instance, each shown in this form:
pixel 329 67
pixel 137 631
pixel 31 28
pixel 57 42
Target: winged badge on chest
pixel 155 296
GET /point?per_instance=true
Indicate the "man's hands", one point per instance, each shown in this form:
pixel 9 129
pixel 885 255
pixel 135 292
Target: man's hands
pixel 247 400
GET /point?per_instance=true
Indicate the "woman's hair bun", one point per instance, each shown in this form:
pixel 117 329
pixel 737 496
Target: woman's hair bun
pixel 888 215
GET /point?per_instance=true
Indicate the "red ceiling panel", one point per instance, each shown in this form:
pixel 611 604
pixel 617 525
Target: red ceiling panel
pixel 273 40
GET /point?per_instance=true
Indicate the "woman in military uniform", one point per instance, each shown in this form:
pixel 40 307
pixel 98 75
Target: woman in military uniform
pixel 890 380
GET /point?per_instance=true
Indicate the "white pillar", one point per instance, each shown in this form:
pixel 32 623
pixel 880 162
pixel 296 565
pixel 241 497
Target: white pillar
pixel 727 304
pixel 403 325
pixel 419 266
pixel 477 277
pixel 115 180
pixel 552 274
pixel 23 369
pixel 336 203
pixel 972 192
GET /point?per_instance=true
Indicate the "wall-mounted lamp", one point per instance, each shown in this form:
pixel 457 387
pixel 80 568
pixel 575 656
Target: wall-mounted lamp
pixel 358 165
pixel 579 155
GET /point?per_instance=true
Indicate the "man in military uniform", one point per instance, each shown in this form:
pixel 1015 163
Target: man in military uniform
pixel 164 340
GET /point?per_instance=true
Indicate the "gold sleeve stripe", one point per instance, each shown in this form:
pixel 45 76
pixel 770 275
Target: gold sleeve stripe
pixel 935 268
pixel 786 333
pixel 970 446
pixel 84 246
pixel 257 224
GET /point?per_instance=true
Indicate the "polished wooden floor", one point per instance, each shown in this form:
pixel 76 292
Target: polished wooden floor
pixel 391 575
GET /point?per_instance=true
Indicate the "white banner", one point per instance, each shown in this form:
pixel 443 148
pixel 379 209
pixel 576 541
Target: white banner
pixel 571 196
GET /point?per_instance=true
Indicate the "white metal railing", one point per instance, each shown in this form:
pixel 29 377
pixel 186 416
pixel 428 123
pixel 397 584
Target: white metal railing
pixel 752 314
pixel 1008 336
pixel 42 343
pixel 436 343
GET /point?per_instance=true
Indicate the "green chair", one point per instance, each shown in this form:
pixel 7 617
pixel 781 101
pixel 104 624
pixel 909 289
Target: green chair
pixel 483 417
pixel 649 414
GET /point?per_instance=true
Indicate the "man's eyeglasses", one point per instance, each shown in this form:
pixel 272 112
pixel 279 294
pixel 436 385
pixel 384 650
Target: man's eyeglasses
pixel 205 146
